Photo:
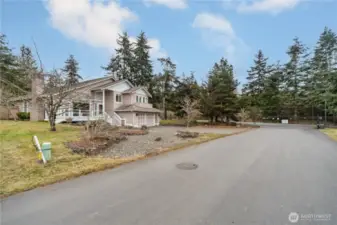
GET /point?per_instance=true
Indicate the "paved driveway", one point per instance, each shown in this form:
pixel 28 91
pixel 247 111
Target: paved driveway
pixel 258 177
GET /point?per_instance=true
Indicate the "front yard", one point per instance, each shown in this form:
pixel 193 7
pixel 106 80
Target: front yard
pixel 331 133
pixel 20 170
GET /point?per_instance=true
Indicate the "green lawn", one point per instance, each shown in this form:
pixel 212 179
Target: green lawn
pixel 331 132
pixel 20 170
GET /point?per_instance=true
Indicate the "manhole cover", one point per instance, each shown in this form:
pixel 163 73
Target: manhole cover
pixel 187 166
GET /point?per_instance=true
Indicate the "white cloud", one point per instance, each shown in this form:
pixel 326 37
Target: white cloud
pixel 217 32
pixel 94 22
pixel 156 51
pixel 173 4
pixel 269 6
pixel 213 23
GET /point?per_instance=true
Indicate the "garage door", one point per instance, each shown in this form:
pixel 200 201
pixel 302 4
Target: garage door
pixel 150 119
pixel 141 119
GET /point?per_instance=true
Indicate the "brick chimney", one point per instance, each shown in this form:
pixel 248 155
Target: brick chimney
pixel 37 109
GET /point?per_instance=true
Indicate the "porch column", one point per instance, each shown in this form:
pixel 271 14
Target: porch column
pixel 103 101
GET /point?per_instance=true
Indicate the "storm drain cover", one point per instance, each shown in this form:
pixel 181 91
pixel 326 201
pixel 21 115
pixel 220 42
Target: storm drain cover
pixel 187 166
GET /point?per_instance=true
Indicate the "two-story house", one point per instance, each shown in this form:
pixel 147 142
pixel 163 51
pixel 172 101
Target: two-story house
pixel 118 102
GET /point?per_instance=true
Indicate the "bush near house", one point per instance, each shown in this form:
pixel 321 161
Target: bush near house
pixel 23 115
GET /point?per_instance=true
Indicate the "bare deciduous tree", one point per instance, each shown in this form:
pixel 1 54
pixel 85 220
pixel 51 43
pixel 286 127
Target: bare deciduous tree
pixel 56 91
pixel 243 115
pixel 190 107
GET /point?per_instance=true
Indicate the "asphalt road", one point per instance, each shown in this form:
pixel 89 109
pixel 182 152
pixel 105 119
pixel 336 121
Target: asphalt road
pixel 258 177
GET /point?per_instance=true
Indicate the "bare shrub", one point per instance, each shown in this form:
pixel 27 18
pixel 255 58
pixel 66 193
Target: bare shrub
pixel 190 107
pixel 98 136
pixel 187 134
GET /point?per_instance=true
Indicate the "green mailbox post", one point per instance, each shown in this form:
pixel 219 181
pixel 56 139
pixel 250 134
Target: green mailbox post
pixel 46 150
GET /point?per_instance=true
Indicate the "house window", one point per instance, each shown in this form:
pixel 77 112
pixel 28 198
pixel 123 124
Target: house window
pixel 118 98
pixel 25 106
pixel 143 99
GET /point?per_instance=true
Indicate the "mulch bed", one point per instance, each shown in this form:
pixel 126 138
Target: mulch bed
pixel 94 146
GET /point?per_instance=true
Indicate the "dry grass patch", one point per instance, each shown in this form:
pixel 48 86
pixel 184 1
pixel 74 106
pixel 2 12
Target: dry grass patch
pixel 20 170
pixel 331 133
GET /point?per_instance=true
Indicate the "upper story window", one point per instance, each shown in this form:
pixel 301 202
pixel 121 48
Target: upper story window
pixel 140 99
pixel 118 98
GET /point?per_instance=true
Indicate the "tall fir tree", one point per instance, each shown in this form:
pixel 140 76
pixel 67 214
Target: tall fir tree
pixel 27 67
pixel 71 68
pixel 122 63
pixel 186 86
pixel 219 93
pixel 256 79
pixel 271 96
pixel 295 74
pixel 166 81
pixel 8 62
pixel 143 73
pixel 324 71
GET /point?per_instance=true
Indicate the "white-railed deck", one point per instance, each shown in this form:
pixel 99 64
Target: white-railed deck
pixel 63 115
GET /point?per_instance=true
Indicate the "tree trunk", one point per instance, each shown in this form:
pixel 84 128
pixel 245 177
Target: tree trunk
pixel 52 119
pixel 164 107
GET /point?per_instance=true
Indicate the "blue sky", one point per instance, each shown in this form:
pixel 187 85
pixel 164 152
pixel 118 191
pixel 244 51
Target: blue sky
pixel 194 33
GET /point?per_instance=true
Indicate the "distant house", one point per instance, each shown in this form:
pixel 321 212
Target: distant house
pixel 118 102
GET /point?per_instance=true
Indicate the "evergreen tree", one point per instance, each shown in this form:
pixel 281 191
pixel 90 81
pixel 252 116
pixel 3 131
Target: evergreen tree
pixel 295 74
pixel 324 68
pixel 8 63
pixel 143 66
pixel 270 98
pixel 27 67
pixel 71 69
pixel 186 86
pixel 112 67
pixel 219 94
pixel 166 81
pixel 256 79
pixel 122 64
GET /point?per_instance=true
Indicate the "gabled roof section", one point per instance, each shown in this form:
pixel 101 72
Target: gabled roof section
pixel 113 84
pixel 136 108
pixel 79 86
pixel 134 89
pixel 91 82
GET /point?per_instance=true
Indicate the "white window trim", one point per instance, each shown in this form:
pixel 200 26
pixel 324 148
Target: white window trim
pixel 121 97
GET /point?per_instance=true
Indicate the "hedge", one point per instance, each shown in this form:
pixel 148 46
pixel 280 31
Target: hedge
pixel 23 115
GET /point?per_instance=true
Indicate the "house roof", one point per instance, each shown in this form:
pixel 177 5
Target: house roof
pixel 114 83
pixel 136 108
pixel 134 89
pixel 79 85
pixel 89 82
